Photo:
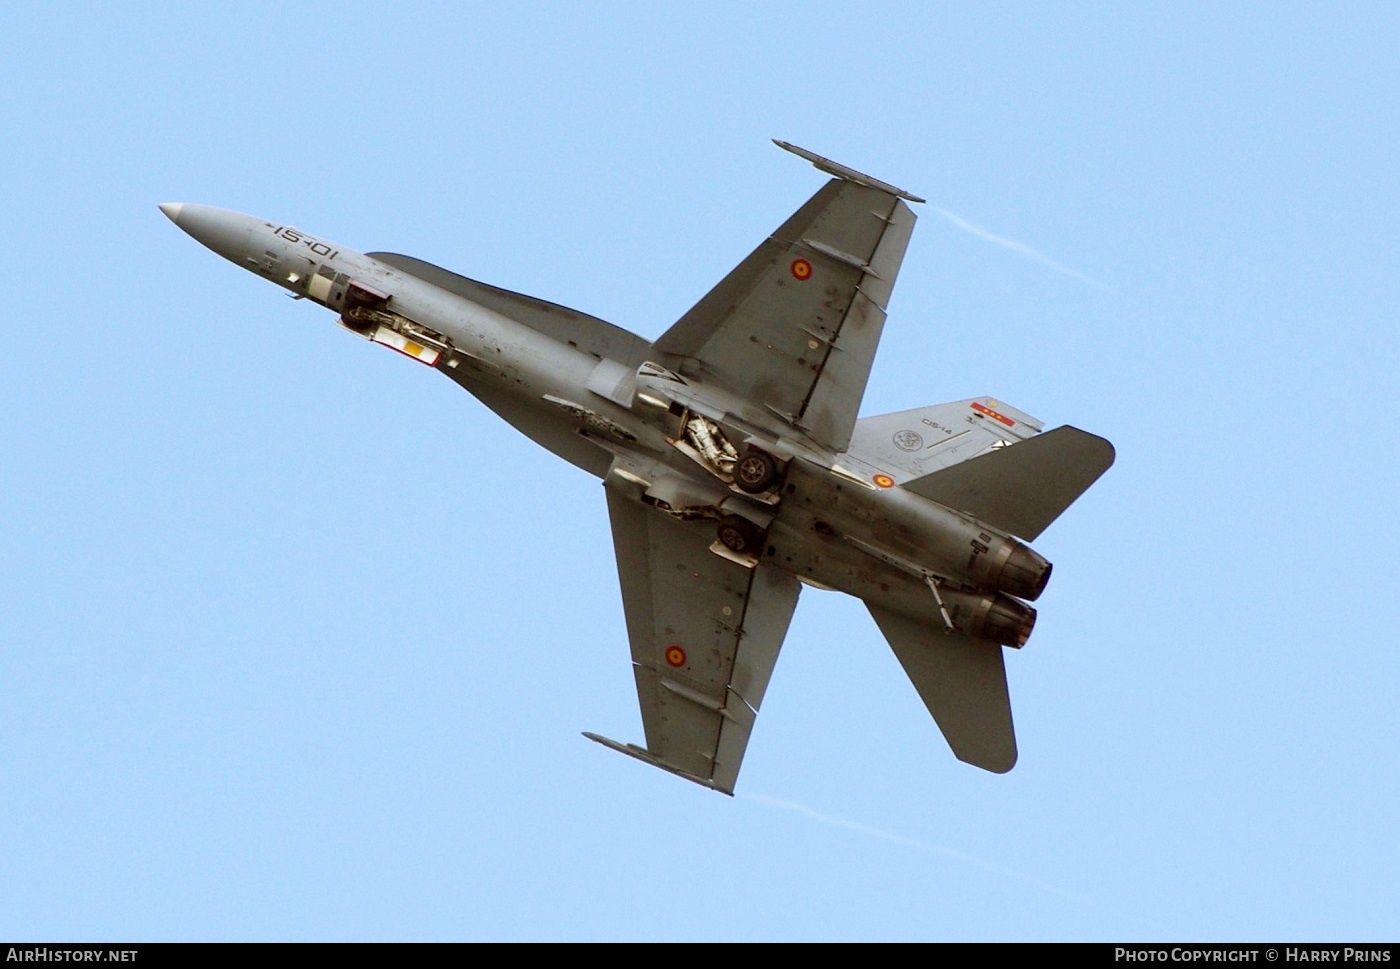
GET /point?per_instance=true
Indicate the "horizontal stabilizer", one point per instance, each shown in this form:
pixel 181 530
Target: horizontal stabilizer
pixel 962 682
pixel 1021 489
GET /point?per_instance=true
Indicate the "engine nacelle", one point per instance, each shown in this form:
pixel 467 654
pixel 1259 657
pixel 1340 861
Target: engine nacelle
pixel 1003 620
pixel 1012 568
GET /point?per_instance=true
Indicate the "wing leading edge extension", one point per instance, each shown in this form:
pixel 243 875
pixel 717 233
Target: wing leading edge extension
pixel 705 633
pixel 795 326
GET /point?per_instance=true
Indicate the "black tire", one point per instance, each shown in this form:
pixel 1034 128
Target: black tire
pixel 740 535
pixel 755 471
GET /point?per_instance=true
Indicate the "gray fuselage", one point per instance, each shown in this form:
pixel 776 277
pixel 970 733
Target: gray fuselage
pixel 834 520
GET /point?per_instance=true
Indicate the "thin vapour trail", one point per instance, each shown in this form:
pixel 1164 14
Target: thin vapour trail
pixel 1035 255
pixel 932 849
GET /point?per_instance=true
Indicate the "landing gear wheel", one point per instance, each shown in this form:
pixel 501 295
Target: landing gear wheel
pixel 740 535
pixel 755 472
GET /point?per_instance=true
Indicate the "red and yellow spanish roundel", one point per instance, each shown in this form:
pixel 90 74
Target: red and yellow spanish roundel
pixel 801 269
pixel 675 656
pixel 883 480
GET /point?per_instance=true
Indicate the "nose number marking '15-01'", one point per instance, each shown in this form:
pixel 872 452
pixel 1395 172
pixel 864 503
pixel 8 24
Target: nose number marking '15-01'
pixel 300 238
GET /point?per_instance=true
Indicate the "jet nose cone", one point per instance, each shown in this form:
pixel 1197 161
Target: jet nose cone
pixel 227 233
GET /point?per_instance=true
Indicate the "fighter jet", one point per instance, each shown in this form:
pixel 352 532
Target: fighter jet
pixel 734 466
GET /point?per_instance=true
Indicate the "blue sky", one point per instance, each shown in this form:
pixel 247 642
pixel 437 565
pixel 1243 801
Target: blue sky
pixel 297 639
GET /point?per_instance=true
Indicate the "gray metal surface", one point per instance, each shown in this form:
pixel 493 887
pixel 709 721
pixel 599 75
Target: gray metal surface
pixel 916 513
pixel 1023 488
pixel 963 684
pixel 912 443
pixel 796 324
pixel 705 633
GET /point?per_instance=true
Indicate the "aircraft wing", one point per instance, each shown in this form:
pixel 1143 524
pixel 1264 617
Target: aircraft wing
pixel 705 633
pixel 795 326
